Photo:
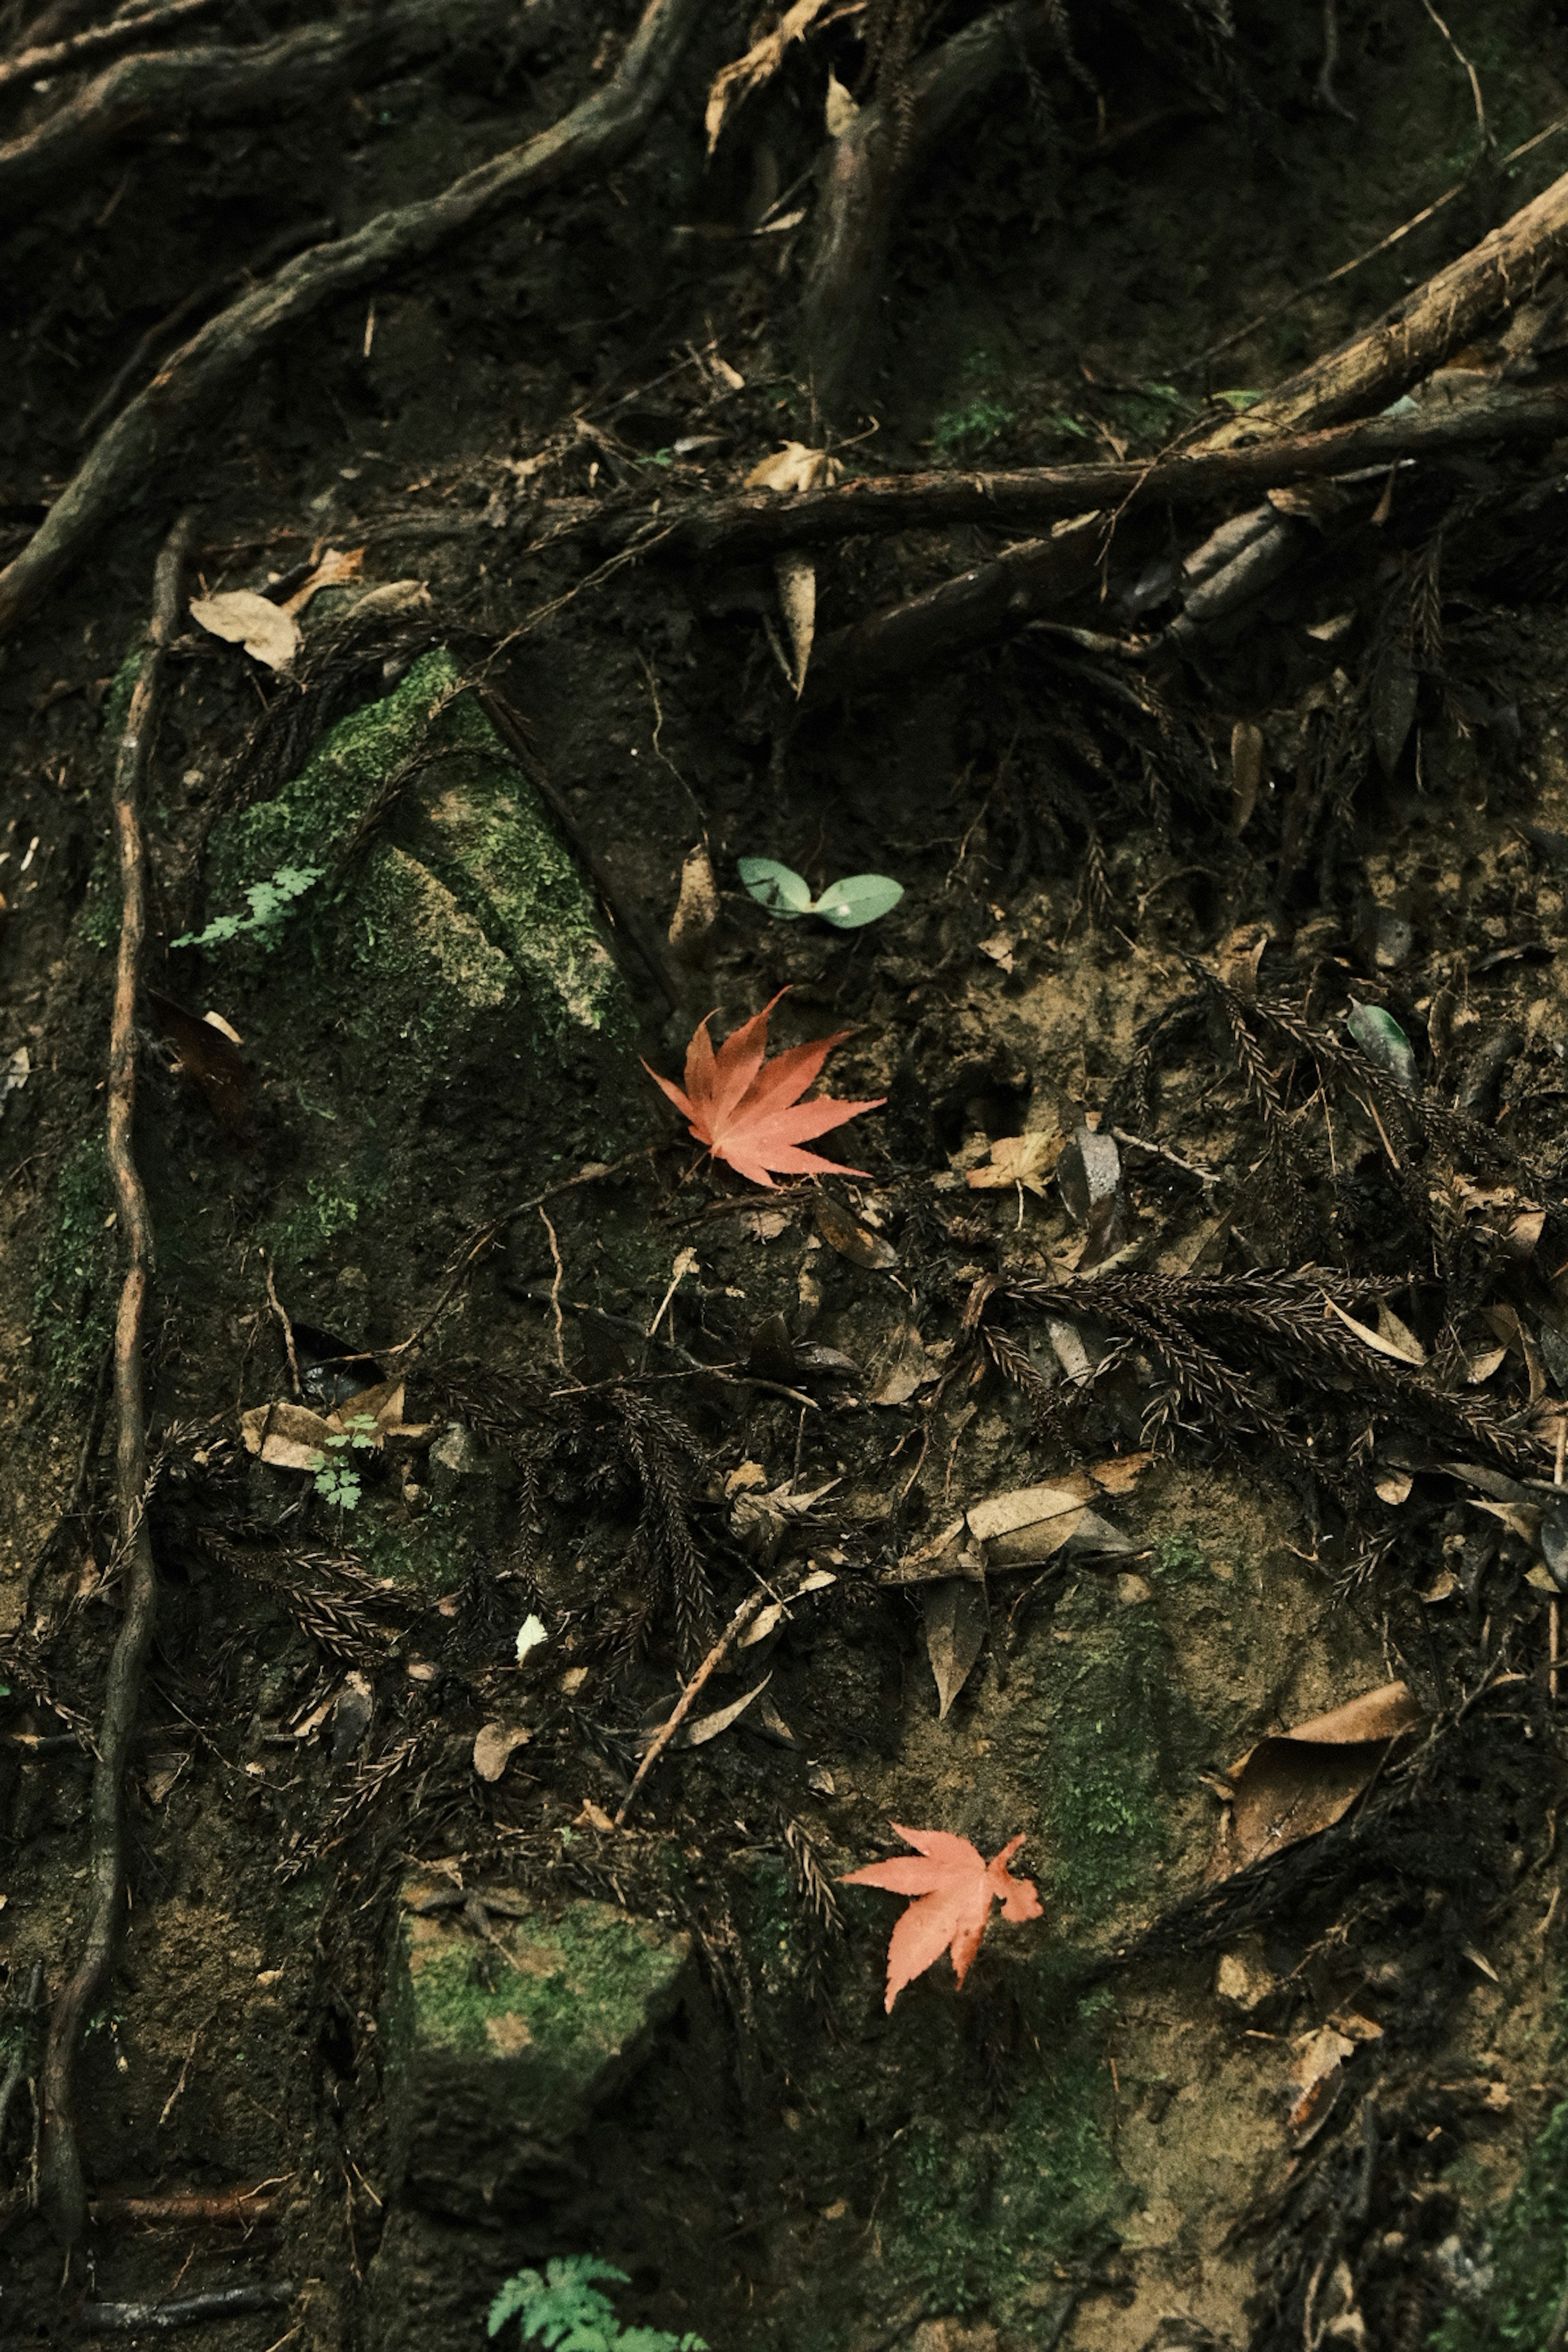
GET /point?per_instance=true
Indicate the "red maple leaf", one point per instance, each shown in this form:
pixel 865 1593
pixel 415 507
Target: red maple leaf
pixel 748 1110
pixel 957 1887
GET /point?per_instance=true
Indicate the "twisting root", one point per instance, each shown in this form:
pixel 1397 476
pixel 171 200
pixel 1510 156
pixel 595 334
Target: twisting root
pixel 62 2188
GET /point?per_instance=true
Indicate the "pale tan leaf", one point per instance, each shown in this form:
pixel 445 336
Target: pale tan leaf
pixel 1027 1507
pixel 1027 1160
pixel 793 467
pixel 1393 1486
pixel 1363 1331
pixel 1246 771
pixel 495 1746
pixel 839 110
pixel 1398 1334
pixel 796 577
pixel 708 1727
pixel 241 617
pixel 903 1369
pixel 696 916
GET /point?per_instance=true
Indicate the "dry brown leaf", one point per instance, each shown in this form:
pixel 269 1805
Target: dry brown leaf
pixel 495 1746
pixel 241 617
pixel 1393 1486
pixel 292 1437
pixel 793 467
pixel 850 1237
pixel 208 1051
pixel 762 61
pixel 947 1553
pixel 1363 1331
pixel 796 577
pixel 696 916
pixel 1298 1782
pixel 1027 1160
pixel 1246 775
pixel 708 1727
pixel 905 1369
pixel 1314 2074
pixel 331 572
pixel 955 1635
pixel 1027 1507
pixel 1121 1474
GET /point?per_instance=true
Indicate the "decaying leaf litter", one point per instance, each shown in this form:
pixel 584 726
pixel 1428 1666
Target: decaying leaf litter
pixel 1157 1452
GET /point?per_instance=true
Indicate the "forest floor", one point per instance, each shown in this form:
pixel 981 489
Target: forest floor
pixel 1178 1362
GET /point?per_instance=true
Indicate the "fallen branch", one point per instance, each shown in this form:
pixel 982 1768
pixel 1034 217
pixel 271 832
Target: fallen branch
pixel 62 2190
pixel 98 41
pixel 595 134
pixel 753 521
pixel 177 2207
pixel 866 171
pixel 1408 341
pixel 750 1607
pixel 218 84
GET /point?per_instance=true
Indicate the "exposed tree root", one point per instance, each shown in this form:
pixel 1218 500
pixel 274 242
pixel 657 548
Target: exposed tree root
pixel 865 170
pixel 227 2303
pixel 754 520
pixel 593 135
pixel 216 84
pixel 62 2188
pixel 1408 341
pixel 98 41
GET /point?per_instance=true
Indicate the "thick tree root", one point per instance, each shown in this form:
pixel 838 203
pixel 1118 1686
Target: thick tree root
pixel 1407 342
pixel 756 521
pixel 98 41
pixel 218 84
pixel 62 2188
pixel 867 170
pixel 595 134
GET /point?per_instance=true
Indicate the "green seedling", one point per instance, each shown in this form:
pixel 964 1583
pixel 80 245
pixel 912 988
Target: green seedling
pixel 269 903
pixel 565 2311
pixel 337 1478
pixel 858 898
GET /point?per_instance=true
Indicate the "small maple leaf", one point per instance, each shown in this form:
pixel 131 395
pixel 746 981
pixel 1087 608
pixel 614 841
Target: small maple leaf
pixel 957 1887
pixel 748 1110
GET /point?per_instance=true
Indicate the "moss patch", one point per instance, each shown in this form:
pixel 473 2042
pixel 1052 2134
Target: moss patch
pixel 1526 2272
pixel 73 1300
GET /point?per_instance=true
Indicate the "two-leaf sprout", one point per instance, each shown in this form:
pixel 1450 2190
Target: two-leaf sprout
pixel 858 898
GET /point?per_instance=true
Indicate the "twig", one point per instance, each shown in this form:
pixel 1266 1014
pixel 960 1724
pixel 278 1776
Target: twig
pixel 555 1290
pixel 282 1314
pixel 170 2103
pixel 482 1239
pixel 178 2207
pixel 1481 126
pixel 1187 1167
pixel 592 137
pixel 62 2186
pixel 125 2318
pixel 750 1607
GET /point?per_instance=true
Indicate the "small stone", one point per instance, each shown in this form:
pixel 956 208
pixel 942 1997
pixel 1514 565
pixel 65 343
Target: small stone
pixel 1131 1589
pixel 1242 1980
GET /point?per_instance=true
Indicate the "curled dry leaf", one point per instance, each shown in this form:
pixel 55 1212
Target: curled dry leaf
pixel 796 576
pixel 793 467
pixel 1298 1782
pixel 696 916
pixel 495 1747
pixel 292 1437
pixel 844 1232
pixel 952 1887
pixel 333 570
pixel 840 113
pixel 241 617
pixel 1027 1160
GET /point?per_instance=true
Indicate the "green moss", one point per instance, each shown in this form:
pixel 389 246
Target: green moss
pixel 1529 2257
pixel 434 1552
pixel 297 1235
pixel 979 2220
pixel 122 686
pixel 73 1299
pixel 960 432
pixel 98 918
pixel 467 890
pixel 1179 1559
pixel 1103 1747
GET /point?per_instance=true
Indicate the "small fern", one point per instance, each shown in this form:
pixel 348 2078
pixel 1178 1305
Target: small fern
pixel 270 902
pixel 565 2309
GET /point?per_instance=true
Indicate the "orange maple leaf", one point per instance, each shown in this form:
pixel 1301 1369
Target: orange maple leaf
pixel 958 1887
pixel 748 1110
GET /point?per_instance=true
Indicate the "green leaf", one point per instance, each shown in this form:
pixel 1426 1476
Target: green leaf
pixel 1239 400
pixel 859 899
pixel 1383 1041
pixel 777 887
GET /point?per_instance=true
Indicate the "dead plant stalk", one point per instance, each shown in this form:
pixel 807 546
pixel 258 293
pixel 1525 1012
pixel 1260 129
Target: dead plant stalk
pixel 62 2187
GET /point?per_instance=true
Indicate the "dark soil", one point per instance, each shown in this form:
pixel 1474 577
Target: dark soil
pixel 1093 2143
